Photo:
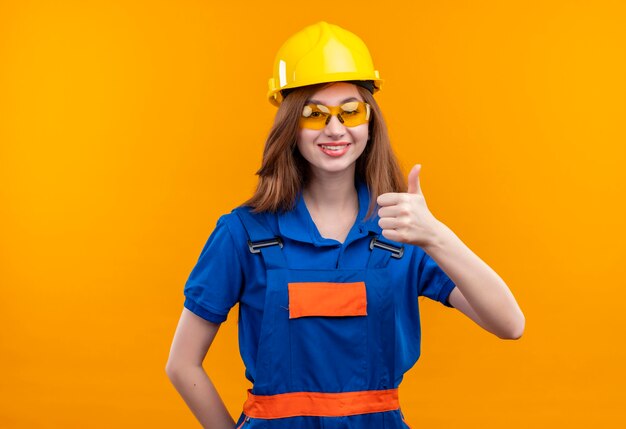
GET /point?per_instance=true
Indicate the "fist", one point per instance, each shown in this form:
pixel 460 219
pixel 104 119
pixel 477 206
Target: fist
pixel 404 216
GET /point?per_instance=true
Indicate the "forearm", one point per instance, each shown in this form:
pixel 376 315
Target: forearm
pixel 200 395
pixel 482 287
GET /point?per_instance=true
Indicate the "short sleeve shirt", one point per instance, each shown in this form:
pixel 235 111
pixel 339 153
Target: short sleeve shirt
pixel 227 273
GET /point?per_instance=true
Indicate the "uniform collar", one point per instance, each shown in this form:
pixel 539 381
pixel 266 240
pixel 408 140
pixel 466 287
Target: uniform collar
pixel 298 225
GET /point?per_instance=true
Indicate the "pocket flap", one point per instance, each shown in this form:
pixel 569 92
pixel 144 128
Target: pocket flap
pixel 327 299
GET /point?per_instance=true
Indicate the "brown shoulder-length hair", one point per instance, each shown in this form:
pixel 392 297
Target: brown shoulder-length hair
pixel 284 171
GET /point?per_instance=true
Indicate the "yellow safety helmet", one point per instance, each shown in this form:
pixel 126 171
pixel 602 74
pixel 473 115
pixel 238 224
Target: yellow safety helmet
pixel 320 53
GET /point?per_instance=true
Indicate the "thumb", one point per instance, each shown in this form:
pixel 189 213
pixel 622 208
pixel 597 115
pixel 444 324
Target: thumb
pixel 414 180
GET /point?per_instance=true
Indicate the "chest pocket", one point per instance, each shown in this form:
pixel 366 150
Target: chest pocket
pixel 327 299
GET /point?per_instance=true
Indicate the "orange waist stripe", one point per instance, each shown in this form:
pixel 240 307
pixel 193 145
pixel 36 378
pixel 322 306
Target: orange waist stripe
pixel 320 404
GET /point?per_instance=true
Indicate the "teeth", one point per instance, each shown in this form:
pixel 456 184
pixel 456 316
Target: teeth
pixel 333 147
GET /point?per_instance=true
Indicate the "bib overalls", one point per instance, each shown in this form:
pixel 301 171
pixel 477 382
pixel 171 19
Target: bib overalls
pixel 326 346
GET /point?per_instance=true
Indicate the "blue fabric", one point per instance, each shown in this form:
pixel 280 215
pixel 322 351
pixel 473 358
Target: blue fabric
pixel 227 273
pixel 387 420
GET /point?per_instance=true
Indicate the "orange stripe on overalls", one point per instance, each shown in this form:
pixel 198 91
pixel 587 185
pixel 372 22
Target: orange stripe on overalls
pixel 320 404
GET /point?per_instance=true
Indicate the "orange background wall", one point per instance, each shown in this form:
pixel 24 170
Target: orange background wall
pixel 128 127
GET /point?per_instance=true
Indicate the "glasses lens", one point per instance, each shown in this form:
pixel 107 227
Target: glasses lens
pixel 355 113
pixel 315 116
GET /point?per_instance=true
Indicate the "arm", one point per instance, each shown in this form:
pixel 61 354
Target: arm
pixel 458 301
pixel 480 293
pixel 192 340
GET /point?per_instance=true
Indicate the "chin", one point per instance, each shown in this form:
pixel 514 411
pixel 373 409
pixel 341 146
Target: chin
pixel 332 167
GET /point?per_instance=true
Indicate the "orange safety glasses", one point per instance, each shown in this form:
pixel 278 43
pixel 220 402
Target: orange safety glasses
pixel 351 114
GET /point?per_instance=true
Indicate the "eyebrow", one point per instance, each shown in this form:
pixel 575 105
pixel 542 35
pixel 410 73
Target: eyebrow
pixel 344 101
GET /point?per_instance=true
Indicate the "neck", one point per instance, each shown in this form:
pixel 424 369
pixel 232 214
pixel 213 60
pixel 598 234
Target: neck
pixel 332 192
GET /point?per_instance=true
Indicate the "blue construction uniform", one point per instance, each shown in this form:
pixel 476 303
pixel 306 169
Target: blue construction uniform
pixel 318 352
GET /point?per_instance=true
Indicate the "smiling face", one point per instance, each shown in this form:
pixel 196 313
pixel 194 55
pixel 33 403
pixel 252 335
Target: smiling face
pixel 335 148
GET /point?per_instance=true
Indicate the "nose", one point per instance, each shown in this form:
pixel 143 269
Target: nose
pixel 334 126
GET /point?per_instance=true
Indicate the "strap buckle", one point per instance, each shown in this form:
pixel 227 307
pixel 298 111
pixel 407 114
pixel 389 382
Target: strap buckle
pixel 257 245
pixel 396 252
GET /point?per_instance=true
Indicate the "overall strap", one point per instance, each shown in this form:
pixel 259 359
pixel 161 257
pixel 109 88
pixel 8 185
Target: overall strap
pixel 382 251
pixel 262 240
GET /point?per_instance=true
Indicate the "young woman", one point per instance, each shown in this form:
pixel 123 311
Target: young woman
pixel 327 259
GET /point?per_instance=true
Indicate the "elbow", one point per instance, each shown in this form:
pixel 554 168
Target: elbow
pixel 178 369
pixel 169 370
pixel 172 370
pixel 515 330
pixel 514 335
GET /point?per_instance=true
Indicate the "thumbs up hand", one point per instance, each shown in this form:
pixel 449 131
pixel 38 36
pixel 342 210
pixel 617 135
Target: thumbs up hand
pixel 404 216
